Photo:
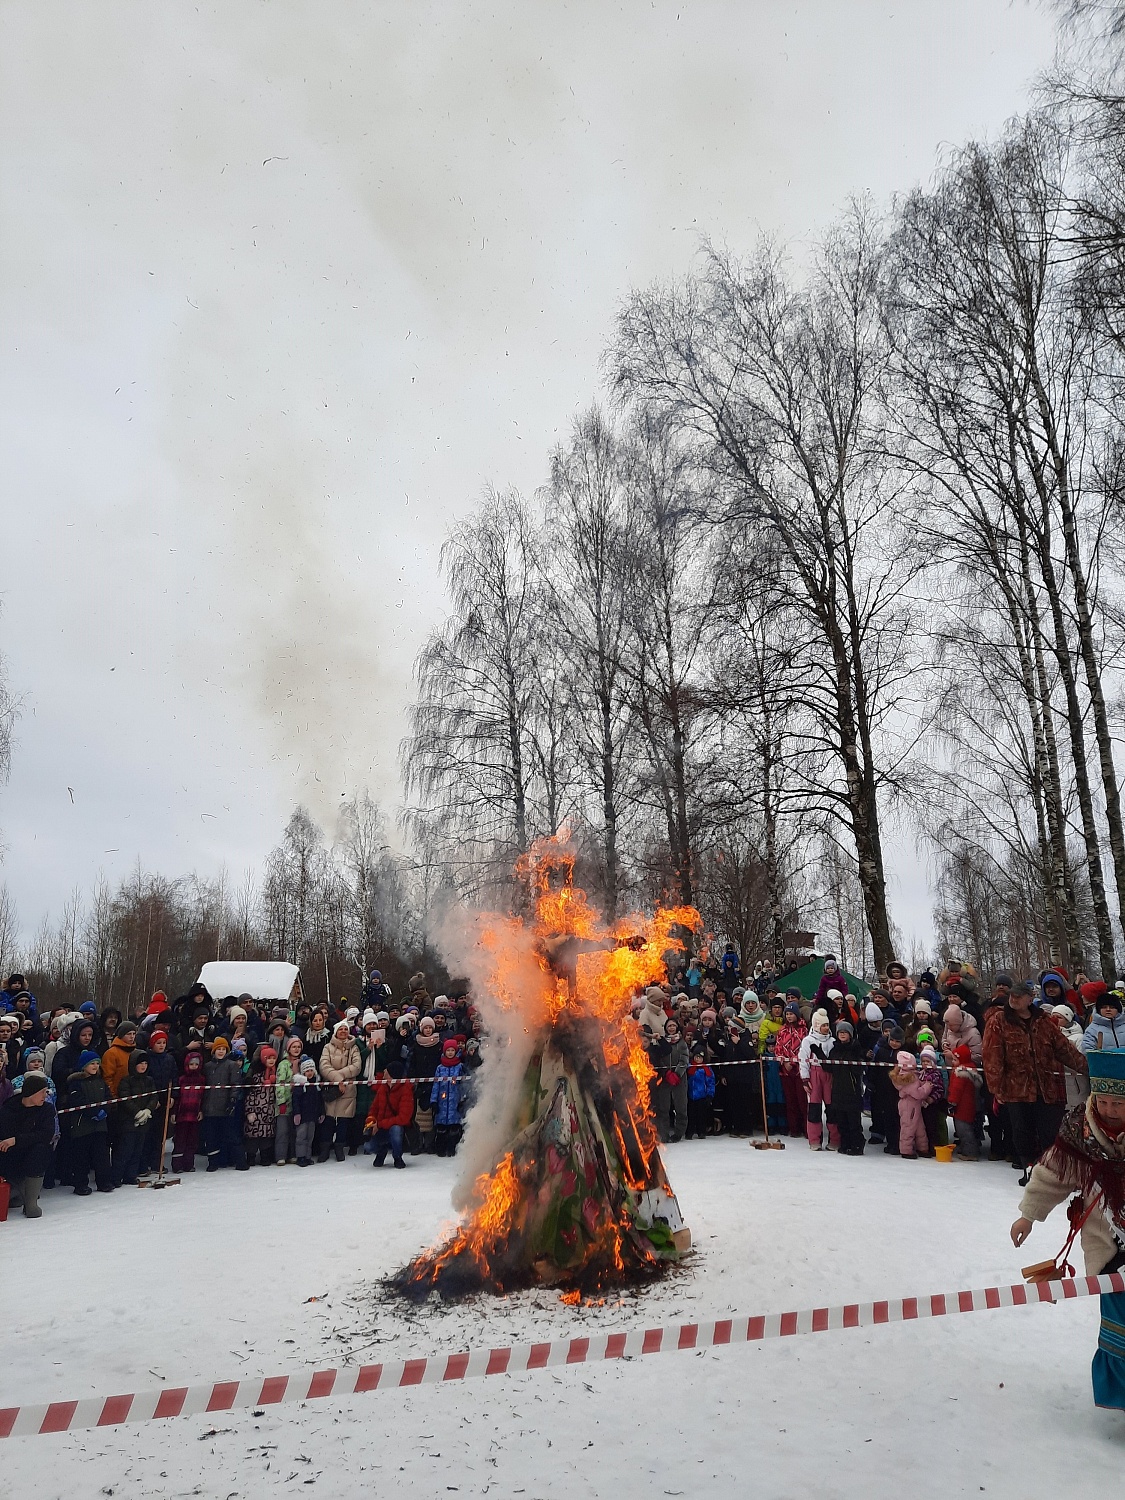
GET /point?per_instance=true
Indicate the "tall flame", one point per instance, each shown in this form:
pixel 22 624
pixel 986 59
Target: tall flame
pixel 582 981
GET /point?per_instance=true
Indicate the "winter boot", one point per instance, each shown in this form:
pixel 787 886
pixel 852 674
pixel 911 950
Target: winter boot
pixel 324 1153
pixel 340 1153
pixel 30 1187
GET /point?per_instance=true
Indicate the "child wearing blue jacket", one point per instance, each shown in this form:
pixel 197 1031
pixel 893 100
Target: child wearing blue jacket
pixel 701 1094
pixel 445 1101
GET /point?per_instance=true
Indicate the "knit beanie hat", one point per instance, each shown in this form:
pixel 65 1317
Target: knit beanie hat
pixel 221 1044
pixel 793 1009
pixel 928 1054
pixel 819 1018
pixel 449 1050
pixel 923 1008
pixel 33 1083
pixel 872 1013
pixel 845 1026
pixel 963 1055
pixel 87 1057
pixel 1065 1013
pixel 954 1016
pixel 236 1013
pixel 906 1061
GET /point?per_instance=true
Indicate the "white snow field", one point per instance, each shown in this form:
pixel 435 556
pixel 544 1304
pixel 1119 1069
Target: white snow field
pixel 212 1279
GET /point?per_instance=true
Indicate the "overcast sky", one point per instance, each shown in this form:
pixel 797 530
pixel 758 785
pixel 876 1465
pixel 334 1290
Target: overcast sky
pixel 285 285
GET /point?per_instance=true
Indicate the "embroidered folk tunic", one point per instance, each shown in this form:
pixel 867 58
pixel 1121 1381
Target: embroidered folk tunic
pixel 1087 1161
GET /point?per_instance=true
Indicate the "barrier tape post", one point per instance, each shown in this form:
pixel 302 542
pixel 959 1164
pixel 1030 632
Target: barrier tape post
pixel 43 1418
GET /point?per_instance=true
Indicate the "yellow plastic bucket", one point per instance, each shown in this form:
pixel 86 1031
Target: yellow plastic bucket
pixel 943 1153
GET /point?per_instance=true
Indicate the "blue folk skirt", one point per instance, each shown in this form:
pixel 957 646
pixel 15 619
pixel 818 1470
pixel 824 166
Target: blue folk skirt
pixel 1109 1362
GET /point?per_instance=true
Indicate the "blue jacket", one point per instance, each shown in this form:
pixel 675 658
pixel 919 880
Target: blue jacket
pixel 445 1096
pixel 700 1083
pixel 1102 1034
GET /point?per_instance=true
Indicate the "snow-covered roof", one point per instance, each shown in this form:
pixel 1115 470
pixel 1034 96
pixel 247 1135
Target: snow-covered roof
pixel 262 980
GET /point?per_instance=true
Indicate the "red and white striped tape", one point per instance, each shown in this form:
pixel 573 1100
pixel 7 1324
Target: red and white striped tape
pixel 259 1391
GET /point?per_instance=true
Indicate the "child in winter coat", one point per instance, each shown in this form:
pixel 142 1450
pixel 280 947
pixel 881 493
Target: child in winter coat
pixel 445 1101
pixel 786 1049
pixel 189 1112
pixel 884 1098
pixel 135 1101
pixel 912 1095
pixel 965 1084
pixel 308 1109
pixel 701 1093
pixel 258 1118
pixel 817 1080
pixel 89 1130
pixel 846 1109
pixel 934 1114
pixel 288 1066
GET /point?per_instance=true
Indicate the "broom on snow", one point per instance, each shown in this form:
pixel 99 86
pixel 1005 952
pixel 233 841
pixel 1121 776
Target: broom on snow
pixel 159 1181
pixel 767 1144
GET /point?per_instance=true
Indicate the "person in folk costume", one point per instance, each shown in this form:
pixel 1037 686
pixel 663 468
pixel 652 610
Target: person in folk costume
pixel 1088 1159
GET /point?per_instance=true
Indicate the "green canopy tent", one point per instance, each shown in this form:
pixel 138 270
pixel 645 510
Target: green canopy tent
pixel 807 979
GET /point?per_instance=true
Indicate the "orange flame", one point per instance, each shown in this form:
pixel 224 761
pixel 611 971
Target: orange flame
pixel 582 968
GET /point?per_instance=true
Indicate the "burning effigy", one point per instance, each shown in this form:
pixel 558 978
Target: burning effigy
pixel 575 1195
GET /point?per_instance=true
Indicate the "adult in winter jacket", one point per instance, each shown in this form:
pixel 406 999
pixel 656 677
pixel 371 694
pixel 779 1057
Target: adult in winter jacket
pixel 1025 1057
pixel 677 1078
pixel 391 1111
pixel 1106 1027
pixel 27 1132
pixel 339 1068
pixel 1088 1158
pixel 115 1058
pixel 960 1030
pixel 79 1038
pixel 317 1034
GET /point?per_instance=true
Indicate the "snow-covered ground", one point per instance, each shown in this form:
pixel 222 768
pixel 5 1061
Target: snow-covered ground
pixel 213 1279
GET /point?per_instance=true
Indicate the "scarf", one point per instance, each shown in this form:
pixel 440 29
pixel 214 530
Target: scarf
pixel 1095 1164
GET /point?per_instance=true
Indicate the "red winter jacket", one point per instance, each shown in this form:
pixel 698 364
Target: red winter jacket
pixel 391 1104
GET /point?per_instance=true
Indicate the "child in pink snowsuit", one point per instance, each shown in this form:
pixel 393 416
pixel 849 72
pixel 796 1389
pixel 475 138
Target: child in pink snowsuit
pixel 913 1093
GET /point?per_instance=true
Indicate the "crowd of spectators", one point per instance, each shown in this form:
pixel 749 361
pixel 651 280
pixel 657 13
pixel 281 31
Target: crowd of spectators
pixel 915 1065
